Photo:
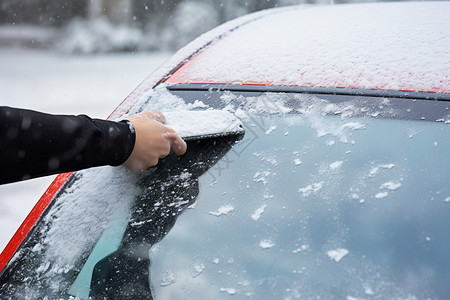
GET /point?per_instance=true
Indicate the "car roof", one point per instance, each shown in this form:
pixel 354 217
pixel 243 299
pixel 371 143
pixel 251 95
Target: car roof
pixel 381 46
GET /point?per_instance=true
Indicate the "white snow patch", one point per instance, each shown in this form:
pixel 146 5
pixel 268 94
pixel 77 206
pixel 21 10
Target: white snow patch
pixel 197 104
pixel 376 169
pixel 391 185
pixel 300 249
pixel 354 298
pixel 336 165
pixel 368 290
pixel 271 129
pixel 106 194
pixel 229 291
pixel 261 177
pixel 272 160
pixel 258 212
pixel 310 189
pixel 223 210
pixel 266 244
pixel 194 123
pixel 381 195
pixel 197 270
pixel 297 162
pixel 387 166
pixel 340 131
pixel 330 143
pixel 337 254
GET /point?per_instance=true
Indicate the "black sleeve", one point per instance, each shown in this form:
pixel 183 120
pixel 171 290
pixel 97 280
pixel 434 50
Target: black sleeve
pixel 34 144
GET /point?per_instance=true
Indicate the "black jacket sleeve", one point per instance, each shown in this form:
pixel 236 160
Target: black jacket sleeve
pixel 34 144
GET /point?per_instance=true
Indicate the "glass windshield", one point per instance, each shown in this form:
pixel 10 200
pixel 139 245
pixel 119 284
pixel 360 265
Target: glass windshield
pixel 324 196
pixel 317 207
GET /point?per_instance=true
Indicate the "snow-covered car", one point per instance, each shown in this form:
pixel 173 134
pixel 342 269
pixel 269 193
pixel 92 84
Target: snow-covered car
pixel 339 189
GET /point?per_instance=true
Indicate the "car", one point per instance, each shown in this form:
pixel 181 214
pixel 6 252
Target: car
pixel 339 189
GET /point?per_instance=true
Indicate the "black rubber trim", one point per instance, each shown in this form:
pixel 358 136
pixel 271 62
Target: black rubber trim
pixel 310 90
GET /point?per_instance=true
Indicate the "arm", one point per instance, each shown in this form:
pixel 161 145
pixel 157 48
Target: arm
pixel 35 144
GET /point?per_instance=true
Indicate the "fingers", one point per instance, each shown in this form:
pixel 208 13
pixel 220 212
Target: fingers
pixel 155 115
pixel 147 116
pixel 153 141
pixel 177 144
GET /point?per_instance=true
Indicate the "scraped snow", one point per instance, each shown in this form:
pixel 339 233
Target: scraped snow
pixel 258 212
pixel 311 189
pixel 229 291
pixel 375 170
pixel 271 129
pixel 337 254
pixel 261 177
pixel 336 165
pixel 266 244
pixel 223 210
pixel 391 185
pixel 197 269
pixel 196 123
pixel 381 195
pixel 107 194
pixel 300 249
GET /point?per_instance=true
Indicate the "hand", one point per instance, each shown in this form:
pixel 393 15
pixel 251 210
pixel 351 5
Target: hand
pixel 153 141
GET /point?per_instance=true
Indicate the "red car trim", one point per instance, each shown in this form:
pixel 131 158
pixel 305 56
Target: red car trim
pixel 31 219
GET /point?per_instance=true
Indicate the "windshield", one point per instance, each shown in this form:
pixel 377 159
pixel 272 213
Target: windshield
pixel 334 198
pixel 327 208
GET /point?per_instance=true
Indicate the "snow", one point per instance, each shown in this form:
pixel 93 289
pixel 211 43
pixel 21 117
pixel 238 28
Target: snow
pixel 266 244
pixel 391 185
pixel 375 170
pixel 107 190
pixel 336 165
pixel 197 270
pixel 337 254
pixel 261 177
pixel 271 129
pixel 301 249
pixel 258 212
pixel 229 291
pixel 394 46
pixel 223 210
pixel 381 195
pixel 297 162
pixel 196 123
pixel 61 84
pixel 311 189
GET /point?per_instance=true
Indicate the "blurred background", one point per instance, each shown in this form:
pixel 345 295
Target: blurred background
pixel 96 26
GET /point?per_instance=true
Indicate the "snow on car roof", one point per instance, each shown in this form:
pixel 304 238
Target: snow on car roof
pixel 385 46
